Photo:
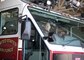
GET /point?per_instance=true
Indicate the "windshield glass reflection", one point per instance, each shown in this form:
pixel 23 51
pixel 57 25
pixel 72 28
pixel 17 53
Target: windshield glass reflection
pixel 61 33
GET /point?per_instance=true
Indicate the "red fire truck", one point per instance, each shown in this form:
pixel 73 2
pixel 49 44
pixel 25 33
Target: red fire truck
pixel 29 32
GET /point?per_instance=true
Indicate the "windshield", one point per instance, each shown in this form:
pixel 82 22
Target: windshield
pixel 62 33
pixel 58 30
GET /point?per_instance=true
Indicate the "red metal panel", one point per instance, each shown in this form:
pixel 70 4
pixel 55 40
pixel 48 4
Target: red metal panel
pixel 8 48
pixel 51 55
pixel 19 55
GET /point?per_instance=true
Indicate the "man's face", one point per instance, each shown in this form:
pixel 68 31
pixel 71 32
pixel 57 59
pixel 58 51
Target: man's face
pixel 47 26
pixel 61 33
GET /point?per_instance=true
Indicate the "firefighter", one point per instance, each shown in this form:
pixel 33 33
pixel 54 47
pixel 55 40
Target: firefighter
pixel 62 38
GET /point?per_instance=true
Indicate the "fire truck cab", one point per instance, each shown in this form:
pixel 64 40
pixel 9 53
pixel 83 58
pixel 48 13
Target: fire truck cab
pixel 29 32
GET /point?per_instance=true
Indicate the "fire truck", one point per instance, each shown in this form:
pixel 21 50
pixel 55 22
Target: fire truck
pixel 29 32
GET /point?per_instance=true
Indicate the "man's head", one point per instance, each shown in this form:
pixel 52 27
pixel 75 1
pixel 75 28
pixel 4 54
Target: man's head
pixel 47 26
pixel 61 32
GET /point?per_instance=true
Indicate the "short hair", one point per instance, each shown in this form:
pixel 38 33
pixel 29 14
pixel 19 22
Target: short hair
pixel 60 29
pixel 47 26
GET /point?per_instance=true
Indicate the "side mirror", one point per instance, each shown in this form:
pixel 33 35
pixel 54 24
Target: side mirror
pixel 26 29
pixel 49 37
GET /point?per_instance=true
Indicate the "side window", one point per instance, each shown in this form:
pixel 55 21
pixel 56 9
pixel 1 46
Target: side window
pixel 9 22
